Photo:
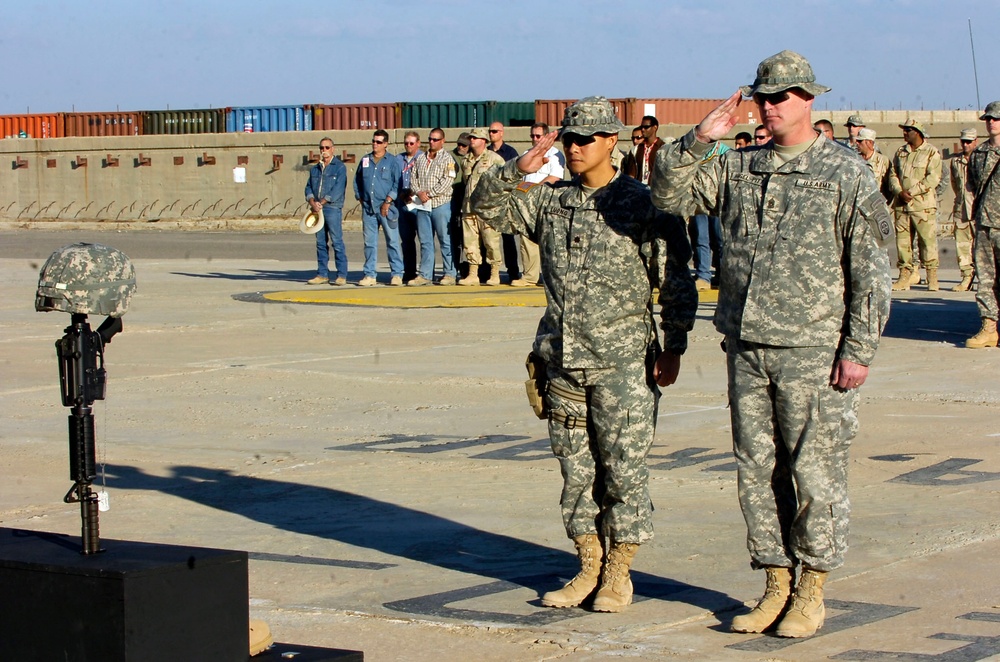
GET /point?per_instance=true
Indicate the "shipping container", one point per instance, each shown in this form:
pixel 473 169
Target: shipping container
pixel 268 119
pixel 551 111
pixel 353 117
pixel 446 114
pixel 103 124
pixel 33 126
pixel 512 113
pixel 158 122
pixel 686 111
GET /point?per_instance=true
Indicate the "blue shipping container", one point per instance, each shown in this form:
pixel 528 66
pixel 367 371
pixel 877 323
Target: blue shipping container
pixel 273 118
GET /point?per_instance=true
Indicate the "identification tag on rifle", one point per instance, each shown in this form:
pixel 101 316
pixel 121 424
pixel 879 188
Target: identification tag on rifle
pixel 103 501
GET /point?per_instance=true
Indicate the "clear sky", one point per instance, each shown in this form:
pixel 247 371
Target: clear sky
pixel 153 54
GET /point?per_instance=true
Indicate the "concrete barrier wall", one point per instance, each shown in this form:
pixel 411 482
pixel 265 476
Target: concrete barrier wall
pixel 190 179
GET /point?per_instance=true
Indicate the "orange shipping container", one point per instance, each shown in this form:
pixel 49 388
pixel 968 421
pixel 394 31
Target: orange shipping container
pixel 103 124
pixel 352 117
pixel 33 126
pixel 551 111
pixel 686 111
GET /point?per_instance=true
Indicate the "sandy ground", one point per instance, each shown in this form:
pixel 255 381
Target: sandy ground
pixel 397 496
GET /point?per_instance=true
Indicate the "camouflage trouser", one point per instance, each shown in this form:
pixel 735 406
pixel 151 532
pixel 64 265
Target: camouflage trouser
pixel 472 228
pixel 964 236
pixel 791 433
pixel 603 461
pixel 924 224
pixel 987 256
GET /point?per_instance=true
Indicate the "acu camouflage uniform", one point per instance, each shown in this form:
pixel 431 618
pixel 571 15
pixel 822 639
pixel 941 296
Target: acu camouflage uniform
pixel 804 281
pixel 917 171
pixel 983 176
pixel 598 335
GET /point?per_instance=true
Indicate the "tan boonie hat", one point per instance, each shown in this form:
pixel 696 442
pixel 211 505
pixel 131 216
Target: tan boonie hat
pixel 479 132
pixel 589 116
pixel 784 71
pixel 914 124
pixel 866 134
pixel 992 111
pixel 968 134
pixel 855 120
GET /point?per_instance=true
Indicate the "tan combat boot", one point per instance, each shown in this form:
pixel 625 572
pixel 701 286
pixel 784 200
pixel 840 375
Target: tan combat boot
pixel 915 276
pixel 965 285
pixel 473 277
pixel 903 282
pixel 494 278
pixel 772 606
pixel 616 586
pixel 932 281
pixel 987 336
pixel 588 548
pixel 806 613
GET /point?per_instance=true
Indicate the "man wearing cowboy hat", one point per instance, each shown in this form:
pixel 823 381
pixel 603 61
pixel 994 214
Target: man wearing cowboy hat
pixel 914 175
pixel 325 191
pixel 604 248
pixel 803 298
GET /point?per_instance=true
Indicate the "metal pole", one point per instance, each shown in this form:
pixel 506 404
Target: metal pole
pixel 975 72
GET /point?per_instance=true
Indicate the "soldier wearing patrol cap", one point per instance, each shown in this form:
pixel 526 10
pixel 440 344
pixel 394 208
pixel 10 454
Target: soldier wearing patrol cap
pixel 877 161
pixel 914 175
pixel 854 124
pixel 985 184
pixel 803 298
pixel 956 175
pixel 604 249
pixel 476 162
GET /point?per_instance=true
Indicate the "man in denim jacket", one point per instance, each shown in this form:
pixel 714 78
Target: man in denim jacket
pixel 325 195
pixel 375 186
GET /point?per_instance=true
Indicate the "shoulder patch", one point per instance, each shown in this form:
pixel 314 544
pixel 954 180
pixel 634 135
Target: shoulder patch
pixel 524 187
pixel 875 211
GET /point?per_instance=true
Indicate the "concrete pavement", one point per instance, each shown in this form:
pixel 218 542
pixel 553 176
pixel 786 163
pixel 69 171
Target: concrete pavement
pixel 397 496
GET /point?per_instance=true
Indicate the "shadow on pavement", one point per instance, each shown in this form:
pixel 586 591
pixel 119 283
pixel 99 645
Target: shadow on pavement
pixel 393 529
pixel 937 320
pixel 294 276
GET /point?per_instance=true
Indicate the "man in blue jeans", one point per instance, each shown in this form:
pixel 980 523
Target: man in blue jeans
pixel 375 187
pixel 431 182
pixel 325 195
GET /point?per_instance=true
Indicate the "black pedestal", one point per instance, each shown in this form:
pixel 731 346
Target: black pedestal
pixel 285 652
pixel 135 602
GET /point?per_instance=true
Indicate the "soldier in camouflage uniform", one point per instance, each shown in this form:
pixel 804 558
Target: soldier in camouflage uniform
pixel 983 180
pixel 803 298
pixel 913 177
pixel 477 161
pixel 961 212
pixel 600 240
pixel 877 161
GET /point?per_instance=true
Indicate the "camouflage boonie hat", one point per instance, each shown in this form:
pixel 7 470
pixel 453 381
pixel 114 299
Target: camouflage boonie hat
pixel 88 279
pixel 781 72
pixel 855 120
pixel 914 124
pixel 480 132
pixel 463 139
pixel 866 134
pixel 968 134
pixel 589 116
pixel 992 111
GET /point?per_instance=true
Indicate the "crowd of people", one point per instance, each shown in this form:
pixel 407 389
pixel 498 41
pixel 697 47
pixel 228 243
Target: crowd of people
pixel 804 282
pixel 421 195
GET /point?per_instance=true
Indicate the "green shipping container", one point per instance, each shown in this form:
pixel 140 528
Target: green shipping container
pixel 159 122
pixel 513 113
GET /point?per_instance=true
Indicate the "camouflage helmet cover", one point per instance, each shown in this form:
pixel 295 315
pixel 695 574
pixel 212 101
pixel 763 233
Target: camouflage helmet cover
pixel 589 116
pixel 781 72
pixel 86 278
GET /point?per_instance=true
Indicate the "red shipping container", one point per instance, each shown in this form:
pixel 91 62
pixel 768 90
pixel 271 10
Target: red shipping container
pixel 687 111
pixel 551 111
pixel 103 124
pixel 33 126
pixel 354 117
